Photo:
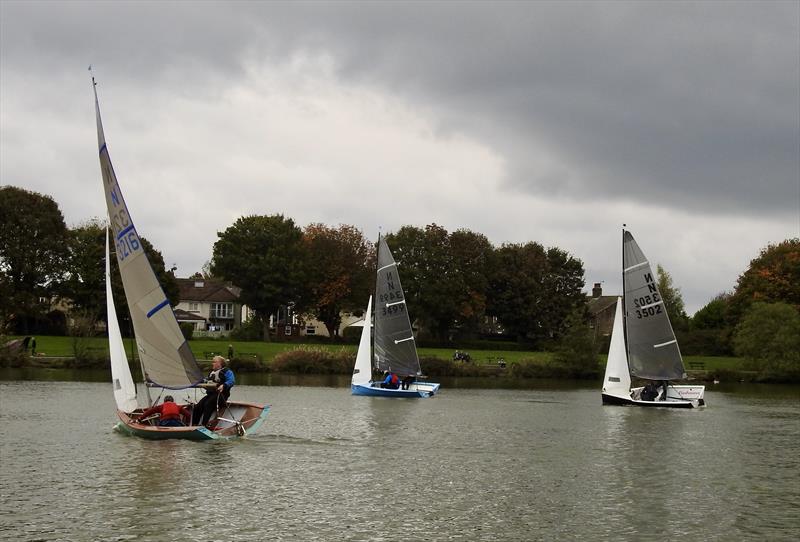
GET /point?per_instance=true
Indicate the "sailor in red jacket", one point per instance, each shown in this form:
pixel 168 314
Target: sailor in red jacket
pixel 172 414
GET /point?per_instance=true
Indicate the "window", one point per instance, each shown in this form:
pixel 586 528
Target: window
pixel 222 310
pixel 193 307
pixel 310 330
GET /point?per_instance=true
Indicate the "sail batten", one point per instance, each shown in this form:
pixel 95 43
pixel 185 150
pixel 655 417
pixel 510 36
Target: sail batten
pixel 653 351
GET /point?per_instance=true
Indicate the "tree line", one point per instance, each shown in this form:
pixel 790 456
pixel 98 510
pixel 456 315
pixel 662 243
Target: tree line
pixel 457 284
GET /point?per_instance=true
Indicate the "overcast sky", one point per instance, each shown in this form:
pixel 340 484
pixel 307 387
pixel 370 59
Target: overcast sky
pixel 525 121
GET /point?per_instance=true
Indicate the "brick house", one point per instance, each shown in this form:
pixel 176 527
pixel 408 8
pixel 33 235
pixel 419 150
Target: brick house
pixel 601 310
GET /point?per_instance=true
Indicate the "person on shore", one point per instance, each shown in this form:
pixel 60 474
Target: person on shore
pixel 217 395
pixel 171 414
pixel 33 346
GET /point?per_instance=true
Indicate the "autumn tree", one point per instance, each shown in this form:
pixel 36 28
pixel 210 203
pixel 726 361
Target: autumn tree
pixel 774 276
pixel 264 256
pixel 340 272
pixel 33 249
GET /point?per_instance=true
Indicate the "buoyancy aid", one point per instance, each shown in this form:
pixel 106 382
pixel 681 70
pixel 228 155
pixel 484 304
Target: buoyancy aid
pixel 170 411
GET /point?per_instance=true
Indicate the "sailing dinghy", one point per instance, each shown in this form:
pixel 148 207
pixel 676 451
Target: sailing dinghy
pixel 392 348
pixel 643 344
pixel 165 357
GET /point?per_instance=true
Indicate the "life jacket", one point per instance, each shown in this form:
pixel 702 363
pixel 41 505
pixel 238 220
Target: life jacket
pixel 170 411
pixel 395 380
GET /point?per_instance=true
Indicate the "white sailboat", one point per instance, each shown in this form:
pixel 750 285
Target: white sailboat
pixel 643 344
pixel 392 348
pixel 166 359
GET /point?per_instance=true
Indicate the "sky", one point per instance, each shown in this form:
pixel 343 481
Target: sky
pixel 554 122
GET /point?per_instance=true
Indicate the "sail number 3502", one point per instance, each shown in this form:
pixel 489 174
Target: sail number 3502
pixel 644 305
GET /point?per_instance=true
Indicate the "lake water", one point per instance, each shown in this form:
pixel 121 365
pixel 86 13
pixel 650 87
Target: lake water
pixel 470 464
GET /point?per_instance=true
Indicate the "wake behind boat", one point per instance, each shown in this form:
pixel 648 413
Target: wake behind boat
pixel 643 344
pixel 393 349
pixel 166 359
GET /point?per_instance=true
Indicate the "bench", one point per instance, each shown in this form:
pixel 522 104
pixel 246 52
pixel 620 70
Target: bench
pixel 697 365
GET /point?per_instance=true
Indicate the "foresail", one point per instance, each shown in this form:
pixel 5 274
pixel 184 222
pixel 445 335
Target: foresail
pixel 124 387
pixel 362 372
pixel 395 349
pixel 163 351
pixel 653 351
pixel 617 379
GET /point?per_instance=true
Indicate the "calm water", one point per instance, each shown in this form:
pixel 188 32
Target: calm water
pixel 538 464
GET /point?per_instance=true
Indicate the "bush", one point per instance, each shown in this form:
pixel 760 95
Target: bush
pixel 187 330
pixel 769 336
pixel 309 360
pixel 252 330
pixel 247 364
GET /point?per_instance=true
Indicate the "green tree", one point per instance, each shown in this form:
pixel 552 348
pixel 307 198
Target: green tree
pixel 85 285
pixel 673 300
pixel 774 276
pixel 33 249
pixel 265 257
pixel 769 336
pixel 342 272
pixel 472 256
pixel 577 349
pixel 714 315
pixel 429 276
pixel 85 269
pixel 533 290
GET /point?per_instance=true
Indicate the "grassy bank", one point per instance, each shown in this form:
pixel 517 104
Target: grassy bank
pixel 334 358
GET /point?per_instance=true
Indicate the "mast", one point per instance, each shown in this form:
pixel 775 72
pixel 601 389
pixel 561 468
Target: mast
pixel 624 310
pixel 372 362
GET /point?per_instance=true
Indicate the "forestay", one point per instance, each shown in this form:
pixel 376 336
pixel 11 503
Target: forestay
pixel 395 349
pixel 653 352
pixel 164 353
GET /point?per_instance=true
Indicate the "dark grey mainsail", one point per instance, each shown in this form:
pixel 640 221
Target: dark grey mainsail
pixel 653 352
pixel 163 351
pixel 395 349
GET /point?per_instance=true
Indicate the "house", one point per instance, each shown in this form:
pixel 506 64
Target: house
pixel 211 306
pixel 601 311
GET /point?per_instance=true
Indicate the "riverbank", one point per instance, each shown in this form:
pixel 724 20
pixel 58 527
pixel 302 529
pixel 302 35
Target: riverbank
pixel 337 359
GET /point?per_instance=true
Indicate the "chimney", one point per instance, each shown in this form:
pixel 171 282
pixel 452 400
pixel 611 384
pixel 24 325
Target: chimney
pixel 597 291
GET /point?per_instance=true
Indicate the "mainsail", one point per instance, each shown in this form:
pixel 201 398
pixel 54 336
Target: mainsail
pixel 164 353
pixel 395 349
pixel 124 388
pixel 653 351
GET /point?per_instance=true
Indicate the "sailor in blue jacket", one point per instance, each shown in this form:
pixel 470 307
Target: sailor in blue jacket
pixel 391 381
pixel 216 397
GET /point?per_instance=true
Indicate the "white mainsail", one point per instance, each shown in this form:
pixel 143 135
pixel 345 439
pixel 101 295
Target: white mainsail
pixel 124 387
pixel 362 372
pixel 165 356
